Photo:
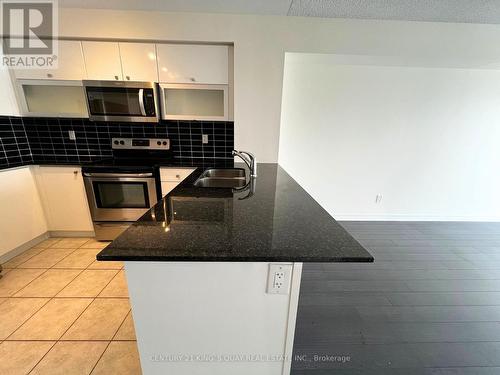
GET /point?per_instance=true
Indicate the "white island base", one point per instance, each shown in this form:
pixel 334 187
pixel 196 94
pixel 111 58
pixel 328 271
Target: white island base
pixel 200 318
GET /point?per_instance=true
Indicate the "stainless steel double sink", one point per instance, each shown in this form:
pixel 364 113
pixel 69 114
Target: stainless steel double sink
pixel 222 178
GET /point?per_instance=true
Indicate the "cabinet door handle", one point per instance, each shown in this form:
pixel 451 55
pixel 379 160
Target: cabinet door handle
pixel 49 75
pixel 75 172
pixel 116 77
pixel 128 78
pixel 192 79
pixel 177 176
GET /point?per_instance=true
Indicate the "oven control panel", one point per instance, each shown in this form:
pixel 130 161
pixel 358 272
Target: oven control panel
pixel 140 143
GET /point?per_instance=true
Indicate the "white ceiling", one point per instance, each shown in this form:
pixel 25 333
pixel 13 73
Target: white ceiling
pixel 274 7
pixel 469 11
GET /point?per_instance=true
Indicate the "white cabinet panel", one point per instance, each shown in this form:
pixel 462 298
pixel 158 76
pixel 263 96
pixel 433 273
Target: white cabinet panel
pixel 175 174
pixel 102 60
pixel 171 177
pixel 167 187
pixel 64 198
pixel 70 64
pixel 22 217
pixel 139 62
pixel 192 63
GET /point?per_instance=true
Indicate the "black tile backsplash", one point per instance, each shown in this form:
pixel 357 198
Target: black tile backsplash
pixel 14 145
pixel 28 140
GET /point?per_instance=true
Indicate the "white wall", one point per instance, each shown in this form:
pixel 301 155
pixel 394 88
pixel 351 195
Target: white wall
pixel 261 41
pixel 21 214
pixel 8 103
pixel 425 137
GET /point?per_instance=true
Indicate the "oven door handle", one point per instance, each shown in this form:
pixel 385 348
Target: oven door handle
pixel 112 175
pixel 141 102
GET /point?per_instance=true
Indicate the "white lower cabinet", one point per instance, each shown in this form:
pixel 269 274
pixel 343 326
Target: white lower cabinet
pixel 63 198
pixel 167 187
pixel 171 177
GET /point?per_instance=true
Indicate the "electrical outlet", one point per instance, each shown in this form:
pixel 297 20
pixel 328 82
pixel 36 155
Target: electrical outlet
pixel 71 134
pixel 204 139
pixel 378 198
pixel 278 281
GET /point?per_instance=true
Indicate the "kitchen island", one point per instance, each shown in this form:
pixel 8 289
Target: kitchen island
pixel 214 273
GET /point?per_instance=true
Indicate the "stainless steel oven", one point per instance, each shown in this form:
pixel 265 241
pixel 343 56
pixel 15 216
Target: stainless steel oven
pixel 121 101
pixel 118 199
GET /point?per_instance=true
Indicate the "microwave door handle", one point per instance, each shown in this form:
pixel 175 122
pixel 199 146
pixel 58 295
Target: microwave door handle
pixel 141 102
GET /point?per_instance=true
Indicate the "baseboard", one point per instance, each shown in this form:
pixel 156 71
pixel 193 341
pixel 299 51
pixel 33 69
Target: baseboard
pixel 22 248
pixel 397 217
pixel 71 233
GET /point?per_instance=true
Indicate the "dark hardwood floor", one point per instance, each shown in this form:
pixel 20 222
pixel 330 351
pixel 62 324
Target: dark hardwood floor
pixel 430 304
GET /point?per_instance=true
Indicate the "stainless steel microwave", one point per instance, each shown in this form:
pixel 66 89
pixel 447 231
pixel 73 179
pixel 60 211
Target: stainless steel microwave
pixel 121 101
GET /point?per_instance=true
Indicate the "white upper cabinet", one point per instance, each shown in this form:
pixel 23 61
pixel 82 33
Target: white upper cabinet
pixel 102 60
pixel 139 62
pixel 49 98
pixel 180 101
pixel 207 64
pixel 70 64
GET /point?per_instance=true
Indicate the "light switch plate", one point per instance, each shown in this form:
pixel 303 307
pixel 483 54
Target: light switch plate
pixel 278 281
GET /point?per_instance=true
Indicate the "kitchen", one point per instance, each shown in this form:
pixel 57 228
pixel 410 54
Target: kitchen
pixel 139 173
pixel 178 134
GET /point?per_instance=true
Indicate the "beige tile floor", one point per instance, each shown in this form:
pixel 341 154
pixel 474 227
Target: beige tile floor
pixel 63 312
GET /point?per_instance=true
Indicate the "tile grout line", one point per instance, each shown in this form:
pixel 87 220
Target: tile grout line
pixel 24 322
pixel 49 269
pixel 122 323
pixel 49 248
pixel 94 340
pixel 98 295
pixel 56 248
pixel 43 273
pixel 47 352
pixel 34 247
pixel 51 298
pixel 109 343
pixel 107 346
pixel 69 327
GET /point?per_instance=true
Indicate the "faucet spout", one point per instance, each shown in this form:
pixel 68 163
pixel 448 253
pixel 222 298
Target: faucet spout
pixel 249 160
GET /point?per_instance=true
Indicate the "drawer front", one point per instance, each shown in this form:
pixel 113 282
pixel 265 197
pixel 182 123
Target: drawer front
pixel 174 174
pixel 167 187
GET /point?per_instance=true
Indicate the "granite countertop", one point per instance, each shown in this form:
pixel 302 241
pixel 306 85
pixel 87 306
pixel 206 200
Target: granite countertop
pixel 280 222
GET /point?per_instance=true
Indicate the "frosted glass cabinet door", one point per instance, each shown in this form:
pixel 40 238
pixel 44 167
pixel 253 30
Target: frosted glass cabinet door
pixel 70 64
pixel 139 62
pixel 51 98
pixel 102 60
pixel 193 63
pixel 194 102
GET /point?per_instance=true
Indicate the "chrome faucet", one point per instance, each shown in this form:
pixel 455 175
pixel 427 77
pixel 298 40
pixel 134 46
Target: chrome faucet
pixel 249 160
